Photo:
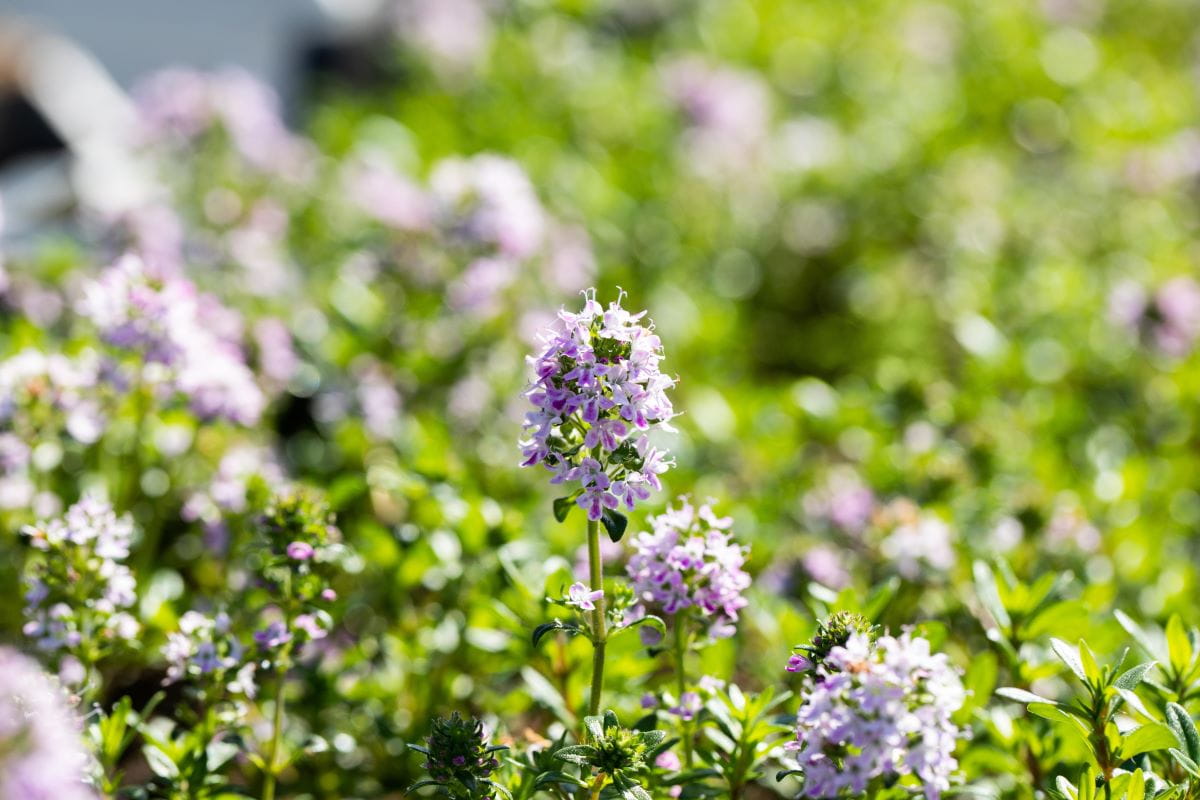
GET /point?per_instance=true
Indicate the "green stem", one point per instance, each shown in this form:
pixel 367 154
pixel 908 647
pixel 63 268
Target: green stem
pixel 681 647
pixel 599 634
pixel 282 660
pixel 597 786
pixel 276 732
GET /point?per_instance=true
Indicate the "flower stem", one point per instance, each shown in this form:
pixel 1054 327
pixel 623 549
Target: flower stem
pixel 599 635
pixel 597 786
pixel 276 732
pixel 681 646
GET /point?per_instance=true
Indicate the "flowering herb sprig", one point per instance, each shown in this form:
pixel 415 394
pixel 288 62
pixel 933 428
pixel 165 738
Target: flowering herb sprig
pixel 206 657
pixel 296 551
pixel 875 712
pixel 460 761
pixel 597 391
pixel 206 652
pixel 41 750
pixel 615 756
pixel 689 570
pixel 186 343
pixel 78 591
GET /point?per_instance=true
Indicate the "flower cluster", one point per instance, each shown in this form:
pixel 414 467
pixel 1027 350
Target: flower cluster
pixel 844 501
pixel 878 711
pixel 454 36
pixel 459 759
pixel 1169 320
pixel 228 491
pixel 833 632
pixel 596 393
pixel 490 201
pixel 188 342
pixel 41 750
pixel 62 383
pixel 728 113
pixel 299 543
pixel 204 648
pixel 41 396
pixel 690 561
pixel 77 593
pixel 177 106
pixel 918 541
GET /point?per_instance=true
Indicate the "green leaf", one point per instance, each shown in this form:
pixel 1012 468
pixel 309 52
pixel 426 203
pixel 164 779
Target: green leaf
pixel 582 754
pixel 1136 631
pixel 653 738
pixel 989 595
pixel 1069 656
pixel 1147 738
pixel 1059 714
pixel 544 692
pixel 1189 766
pixel 880 599
pixel 554 625
pixel 1022 696
pixel 615 523
pixel 1065 615
pixel 1179 646
pixel 1087 659
pixel 160 763
pixel 595 726
pixel 1137 787
pixel 651 620
pixel 1135 703
pixel 1132 677
pixel 219 753
pixel 562 507
pixel 556 777
pixel 1185 729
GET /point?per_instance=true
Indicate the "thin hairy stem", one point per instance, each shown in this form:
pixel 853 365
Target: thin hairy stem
pixel 599 633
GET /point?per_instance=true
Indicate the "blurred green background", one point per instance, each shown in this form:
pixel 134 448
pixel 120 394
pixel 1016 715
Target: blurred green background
pixel 931 260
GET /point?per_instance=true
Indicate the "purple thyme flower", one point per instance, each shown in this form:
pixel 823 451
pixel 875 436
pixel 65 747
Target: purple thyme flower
pixel 310 626
pixel 728 112
pixel 798 663
pixel 877 710
pixel 688 707
pixel 388 196
pixel 597 391
pixel 919 542
pixel 583 597
pixel 669 761
pixel 489 200
pixel 276 634
pixel 690 561
pixel 300 551
pixel 1168 320
pixel 31 380
pixel 825 566
pixel 844 501
pixel 79 584
pixel 41 744
pixel 178 106
pixel 190 337
pixel 453 35
pixel 203 646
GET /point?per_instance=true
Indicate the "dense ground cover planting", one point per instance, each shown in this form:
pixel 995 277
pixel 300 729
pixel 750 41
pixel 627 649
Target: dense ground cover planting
pixel 309 489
